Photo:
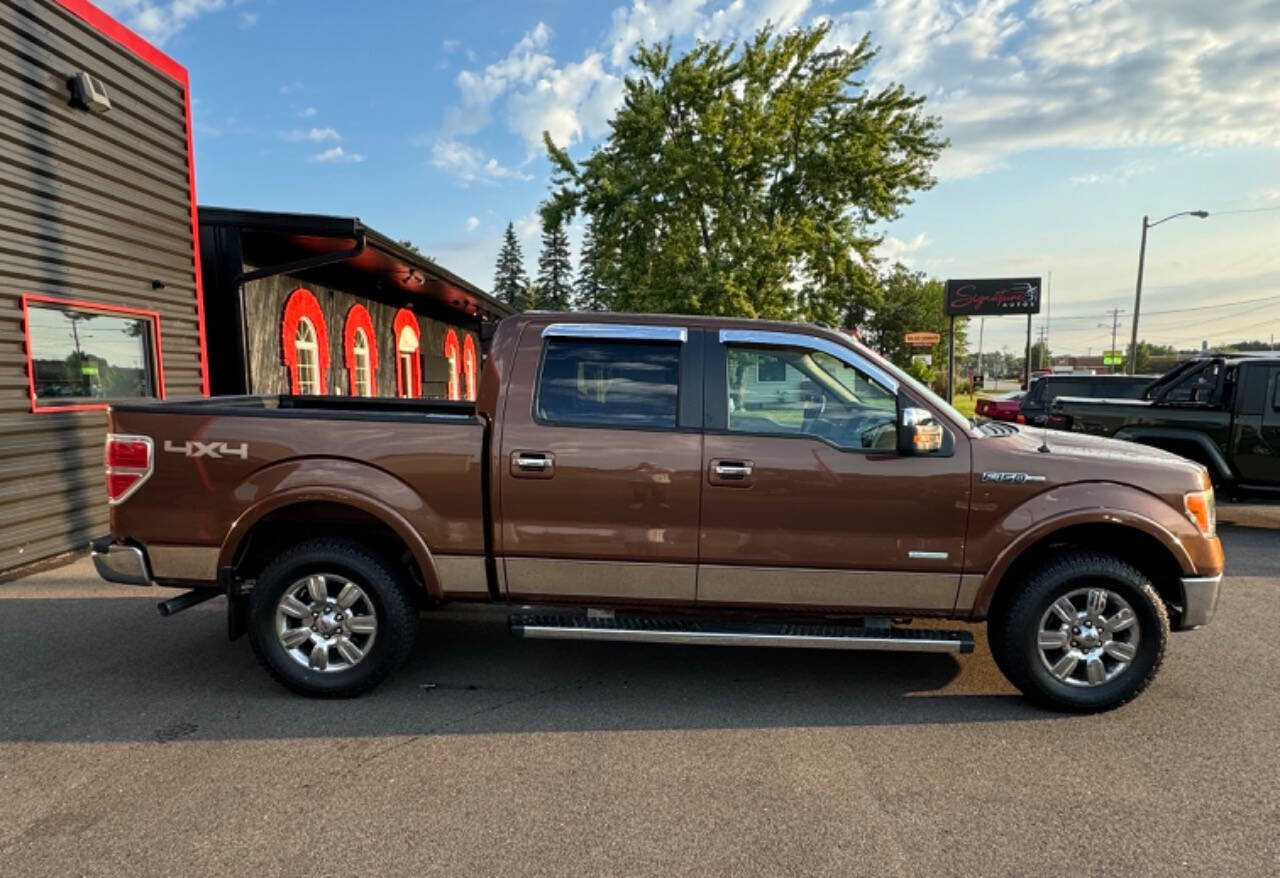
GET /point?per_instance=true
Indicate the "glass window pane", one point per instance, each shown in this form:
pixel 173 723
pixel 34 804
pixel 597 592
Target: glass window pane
pixel 819 396
pixel 81 356
pixel 625 384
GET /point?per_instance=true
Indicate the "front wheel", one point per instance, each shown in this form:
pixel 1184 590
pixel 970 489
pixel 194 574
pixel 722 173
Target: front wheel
pixel 1086 634
pixel 329 619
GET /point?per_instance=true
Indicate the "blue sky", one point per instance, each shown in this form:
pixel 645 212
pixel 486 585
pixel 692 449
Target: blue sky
pixel 1069 120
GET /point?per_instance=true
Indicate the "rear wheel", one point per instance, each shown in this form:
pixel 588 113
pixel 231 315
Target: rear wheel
pixel 1087 633
pixel 327 618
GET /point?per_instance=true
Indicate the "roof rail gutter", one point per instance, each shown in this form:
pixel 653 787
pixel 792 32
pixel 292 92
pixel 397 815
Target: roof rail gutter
pixel 317 261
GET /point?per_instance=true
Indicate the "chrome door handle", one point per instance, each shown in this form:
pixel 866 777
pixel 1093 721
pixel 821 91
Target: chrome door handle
pixel 733 470
pixel 534 462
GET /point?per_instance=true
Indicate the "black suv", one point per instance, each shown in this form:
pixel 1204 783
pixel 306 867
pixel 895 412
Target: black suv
pixel 1045 389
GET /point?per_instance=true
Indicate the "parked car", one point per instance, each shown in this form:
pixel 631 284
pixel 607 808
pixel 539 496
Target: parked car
pixel 1045 389
pixel 1222 412
pixel 1000 408
pixel 607 485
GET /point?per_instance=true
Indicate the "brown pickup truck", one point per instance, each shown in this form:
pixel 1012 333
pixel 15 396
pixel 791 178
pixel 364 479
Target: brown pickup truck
pixel 666 479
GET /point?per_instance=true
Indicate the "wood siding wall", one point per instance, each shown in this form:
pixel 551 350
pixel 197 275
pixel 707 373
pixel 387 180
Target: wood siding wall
pixel 264 302
pixel 92 207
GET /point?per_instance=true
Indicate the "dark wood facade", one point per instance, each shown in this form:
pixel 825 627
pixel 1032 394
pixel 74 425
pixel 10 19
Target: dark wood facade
pixel 257 263
pixel 97 227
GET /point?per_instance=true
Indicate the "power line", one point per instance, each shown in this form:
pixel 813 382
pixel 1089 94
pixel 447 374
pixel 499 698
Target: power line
pixel 1273 297
pixel 1244 210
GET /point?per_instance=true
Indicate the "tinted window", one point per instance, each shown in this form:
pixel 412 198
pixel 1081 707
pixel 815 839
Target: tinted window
pixel 1055 389
pixel 1196 386
pixel 1120 389
pixel 609 383
pixel 818 396
pixel 80 356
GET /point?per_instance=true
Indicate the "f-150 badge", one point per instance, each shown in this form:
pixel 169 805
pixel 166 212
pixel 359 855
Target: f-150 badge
pixel 1011 478
pixel 216 450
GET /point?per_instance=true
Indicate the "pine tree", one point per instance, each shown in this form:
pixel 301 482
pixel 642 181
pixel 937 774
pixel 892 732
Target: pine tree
pixel 509 281
pixel 555 269
pixel 590 293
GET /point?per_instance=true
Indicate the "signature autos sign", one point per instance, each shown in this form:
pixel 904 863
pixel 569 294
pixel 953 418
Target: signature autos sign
pixel 993 296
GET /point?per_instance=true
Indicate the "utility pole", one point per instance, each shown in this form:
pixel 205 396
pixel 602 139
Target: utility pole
pixel 982 328
pixel 1044 348
pixel 1115 325
pixel 1142 255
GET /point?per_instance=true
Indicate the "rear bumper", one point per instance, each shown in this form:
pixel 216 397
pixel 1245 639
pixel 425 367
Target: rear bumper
pixel 1199 600
pixel 126 565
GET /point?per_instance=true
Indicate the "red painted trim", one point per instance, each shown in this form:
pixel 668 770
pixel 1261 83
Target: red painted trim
pixel 470 377
pixel 84 305
pixel 302 303
pixel 453 354
pixel 358 318
pixel 405 317
pixel 118 33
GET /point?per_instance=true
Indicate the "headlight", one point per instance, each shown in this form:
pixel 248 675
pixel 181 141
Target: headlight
pixel 1200 509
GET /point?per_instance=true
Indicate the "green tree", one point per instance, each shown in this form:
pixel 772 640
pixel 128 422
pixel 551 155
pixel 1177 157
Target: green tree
pixel 510 283
pixel 911 302
pixel 555 266
pixel 744 180
pixel 589 292
pixel 1041 356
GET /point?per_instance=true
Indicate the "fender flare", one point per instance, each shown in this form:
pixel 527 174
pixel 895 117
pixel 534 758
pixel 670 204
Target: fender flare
pixel 244 524
pixel 1140 435
pixel 1120 518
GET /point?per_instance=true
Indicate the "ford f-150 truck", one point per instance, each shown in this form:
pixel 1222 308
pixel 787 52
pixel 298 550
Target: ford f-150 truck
pixel 667 479
pixel 1223 412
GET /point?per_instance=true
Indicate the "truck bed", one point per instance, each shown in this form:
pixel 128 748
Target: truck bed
pixel 327 407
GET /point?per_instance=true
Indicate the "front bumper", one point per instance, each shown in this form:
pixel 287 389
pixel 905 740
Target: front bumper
pixel 114 562
pixel 1199 600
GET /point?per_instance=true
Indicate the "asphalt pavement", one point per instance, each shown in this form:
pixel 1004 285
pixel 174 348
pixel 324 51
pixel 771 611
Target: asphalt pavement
pixel 136 745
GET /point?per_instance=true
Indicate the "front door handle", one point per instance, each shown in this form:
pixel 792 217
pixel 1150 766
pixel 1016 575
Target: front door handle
pixel 533 464
pixel 731 473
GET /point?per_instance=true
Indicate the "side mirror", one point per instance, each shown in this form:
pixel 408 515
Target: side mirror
pixel 919 433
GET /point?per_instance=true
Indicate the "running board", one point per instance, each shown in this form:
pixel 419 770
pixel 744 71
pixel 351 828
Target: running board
pixel 649 629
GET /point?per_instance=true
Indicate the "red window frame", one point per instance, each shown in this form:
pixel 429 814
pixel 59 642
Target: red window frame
pixel 302 303
pixel 358 318
pixel 453 356
pixel 470 376
pixel 407 319
pixel 84 305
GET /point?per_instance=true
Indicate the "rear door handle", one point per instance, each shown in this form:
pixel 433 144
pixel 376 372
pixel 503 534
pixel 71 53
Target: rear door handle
pixel 731 473
pixel 533 464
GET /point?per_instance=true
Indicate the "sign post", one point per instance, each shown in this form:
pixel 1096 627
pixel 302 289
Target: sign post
pixel 990 297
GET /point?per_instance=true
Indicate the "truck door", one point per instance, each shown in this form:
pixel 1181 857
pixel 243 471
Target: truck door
pixel 1255 435
pixel 601 458
pixel 807 501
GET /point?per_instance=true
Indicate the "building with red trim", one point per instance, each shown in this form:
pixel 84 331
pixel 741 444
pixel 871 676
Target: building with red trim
pixel 306 304
pixel 100 281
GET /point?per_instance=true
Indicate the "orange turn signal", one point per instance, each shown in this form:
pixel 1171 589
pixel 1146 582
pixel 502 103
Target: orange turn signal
pixel 1200 509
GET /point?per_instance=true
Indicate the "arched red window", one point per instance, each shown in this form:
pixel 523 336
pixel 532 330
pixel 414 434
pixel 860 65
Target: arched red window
pixel 305 342
pixel 408 341
pixel 360 352
pixel 453 353
pixel 470 367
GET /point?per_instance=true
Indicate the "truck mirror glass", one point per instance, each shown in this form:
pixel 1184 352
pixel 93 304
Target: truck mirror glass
pixel 919 432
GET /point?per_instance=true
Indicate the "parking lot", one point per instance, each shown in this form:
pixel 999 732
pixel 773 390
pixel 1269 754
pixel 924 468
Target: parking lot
pixel 131 744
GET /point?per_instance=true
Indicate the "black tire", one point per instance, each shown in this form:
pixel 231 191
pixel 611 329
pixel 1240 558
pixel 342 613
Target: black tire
pixel 387 593
pixel 1014 635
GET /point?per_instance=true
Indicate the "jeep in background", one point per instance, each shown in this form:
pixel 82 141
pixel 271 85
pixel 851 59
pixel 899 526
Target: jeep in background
pixel 1035 406
pixel 1222 412
pixel 665 479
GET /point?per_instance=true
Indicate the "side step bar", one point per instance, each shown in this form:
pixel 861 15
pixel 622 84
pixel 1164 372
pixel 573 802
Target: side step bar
pixel 648 629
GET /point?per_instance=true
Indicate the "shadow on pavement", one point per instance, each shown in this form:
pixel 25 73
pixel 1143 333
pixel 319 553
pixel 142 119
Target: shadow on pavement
pixel 109 669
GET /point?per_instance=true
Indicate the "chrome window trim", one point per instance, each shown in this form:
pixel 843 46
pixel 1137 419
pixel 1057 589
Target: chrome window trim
pixel 622 331
pixel 813 343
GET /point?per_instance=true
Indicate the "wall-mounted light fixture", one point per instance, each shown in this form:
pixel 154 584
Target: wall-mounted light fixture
pixel 88 92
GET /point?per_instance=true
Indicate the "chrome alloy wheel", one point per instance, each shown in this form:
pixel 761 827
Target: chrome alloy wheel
pixel 1088 637
pixel 326 623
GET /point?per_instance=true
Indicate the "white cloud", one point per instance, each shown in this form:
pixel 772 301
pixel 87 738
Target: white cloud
pixel 312 135
pixel 246 20
pixel 473 223
pixel 893 249
pixel 528 226
pixel 480 88
pixel 307 113
pixel 450 46
pixel 160 21
pixel 469 164
pixel 337 154
pixel 1118 174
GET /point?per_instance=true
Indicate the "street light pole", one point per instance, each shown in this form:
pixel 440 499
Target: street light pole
pixel 1137 296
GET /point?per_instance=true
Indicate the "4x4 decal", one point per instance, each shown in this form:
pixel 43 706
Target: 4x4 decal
pixel 216 450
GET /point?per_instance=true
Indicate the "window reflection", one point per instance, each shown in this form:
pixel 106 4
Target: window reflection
pixel 80 356
pixel 631 384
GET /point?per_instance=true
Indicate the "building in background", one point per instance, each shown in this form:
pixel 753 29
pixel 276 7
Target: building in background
pixel 298 303
pixel 99 278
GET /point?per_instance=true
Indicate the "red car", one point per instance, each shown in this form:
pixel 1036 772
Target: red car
pixel 1000 408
